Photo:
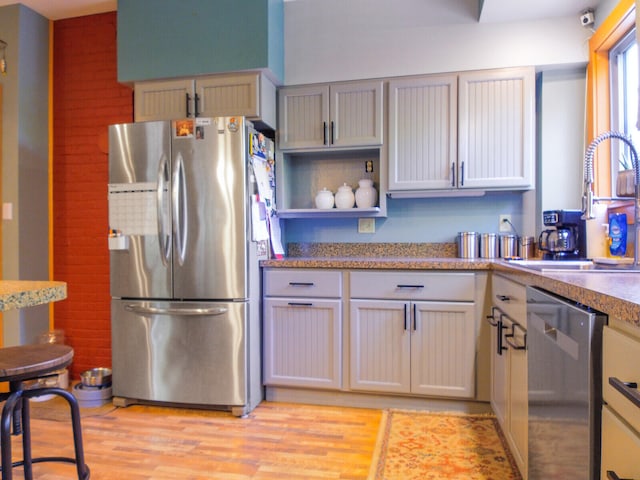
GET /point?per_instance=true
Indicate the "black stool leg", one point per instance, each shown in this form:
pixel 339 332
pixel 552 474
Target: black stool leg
pixel 26 439
pixel 5 434
pixel 82 468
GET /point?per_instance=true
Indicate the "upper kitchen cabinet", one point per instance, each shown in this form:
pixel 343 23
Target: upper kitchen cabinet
pixel 496 120
pixel 422 132
pixel 471 131
pixel 177 39
pixel 251 95
pixel 341 115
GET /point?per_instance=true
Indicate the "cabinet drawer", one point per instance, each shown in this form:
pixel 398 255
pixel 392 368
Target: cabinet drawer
pixel 413 285
pixel 302 283
pixel 510 297
pixel 620 361
pixel 620 447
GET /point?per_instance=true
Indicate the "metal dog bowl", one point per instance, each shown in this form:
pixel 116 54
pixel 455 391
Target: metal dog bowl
pixel 96 377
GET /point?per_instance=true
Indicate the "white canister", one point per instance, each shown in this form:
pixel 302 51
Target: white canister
pixel 324 199
pixel 366 194
pixel 345 197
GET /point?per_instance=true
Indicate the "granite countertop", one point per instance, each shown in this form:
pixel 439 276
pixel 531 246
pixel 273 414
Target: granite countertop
pixel 27 293
pixel 616 294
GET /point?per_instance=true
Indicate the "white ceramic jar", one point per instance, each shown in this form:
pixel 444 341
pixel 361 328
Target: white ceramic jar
pixel 345 197
pixel 366 194
pixel 324 199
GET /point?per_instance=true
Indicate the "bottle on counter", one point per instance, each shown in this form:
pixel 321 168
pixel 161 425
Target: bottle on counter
pixel 618 234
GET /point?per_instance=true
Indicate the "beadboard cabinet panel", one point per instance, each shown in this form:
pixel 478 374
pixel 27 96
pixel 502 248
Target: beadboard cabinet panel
pixel 423 132
pixel 443 349
pixel 496 128
pixel 302 342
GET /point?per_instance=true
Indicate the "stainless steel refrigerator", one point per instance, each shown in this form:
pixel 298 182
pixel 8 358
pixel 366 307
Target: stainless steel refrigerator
pixel 185 288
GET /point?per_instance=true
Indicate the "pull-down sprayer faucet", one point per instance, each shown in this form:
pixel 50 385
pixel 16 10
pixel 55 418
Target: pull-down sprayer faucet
pixel 587 195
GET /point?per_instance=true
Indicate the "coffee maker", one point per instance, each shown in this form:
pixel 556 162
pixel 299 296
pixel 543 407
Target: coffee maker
pixel 568 240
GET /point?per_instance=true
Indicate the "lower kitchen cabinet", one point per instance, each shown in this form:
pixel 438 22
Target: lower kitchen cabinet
pixel 509 386
pixel 413 333
pixel 302 342
pixel 302 328
pixel 425 348
pixel 621 413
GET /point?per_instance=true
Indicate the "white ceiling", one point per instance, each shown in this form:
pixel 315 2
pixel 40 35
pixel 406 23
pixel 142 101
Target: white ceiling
pixel 492 10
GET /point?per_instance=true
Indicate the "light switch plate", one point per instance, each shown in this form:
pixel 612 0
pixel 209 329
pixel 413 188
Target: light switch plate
pixel 366 225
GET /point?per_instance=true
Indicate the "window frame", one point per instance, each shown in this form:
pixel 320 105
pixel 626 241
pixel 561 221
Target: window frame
pixel 611 31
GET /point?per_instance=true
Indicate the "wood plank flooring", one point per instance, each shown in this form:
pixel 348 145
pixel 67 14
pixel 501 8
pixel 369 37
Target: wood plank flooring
pixel 277 441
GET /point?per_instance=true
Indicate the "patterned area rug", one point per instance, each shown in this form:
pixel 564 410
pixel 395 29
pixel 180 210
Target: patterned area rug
pixel 424 445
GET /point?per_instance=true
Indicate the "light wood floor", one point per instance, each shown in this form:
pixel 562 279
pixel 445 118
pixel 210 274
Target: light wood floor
pixel 277 441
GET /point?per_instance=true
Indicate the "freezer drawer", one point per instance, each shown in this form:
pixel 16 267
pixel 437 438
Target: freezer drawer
pixel 180 352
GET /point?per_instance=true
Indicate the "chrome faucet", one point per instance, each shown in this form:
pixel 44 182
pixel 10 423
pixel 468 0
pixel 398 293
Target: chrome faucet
pixel 587 195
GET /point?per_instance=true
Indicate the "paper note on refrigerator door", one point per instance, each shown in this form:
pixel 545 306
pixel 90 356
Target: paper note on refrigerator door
pixel 133 208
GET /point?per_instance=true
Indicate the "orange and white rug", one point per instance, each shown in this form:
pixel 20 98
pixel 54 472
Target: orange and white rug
pixel 429 445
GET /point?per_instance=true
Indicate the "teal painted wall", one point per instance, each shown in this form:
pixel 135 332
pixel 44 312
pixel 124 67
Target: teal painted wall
pixel 178 38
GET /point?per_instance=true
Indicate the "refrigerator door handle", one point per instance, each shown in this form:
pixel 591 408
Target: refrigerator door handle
pixel 179 197
pixel 164 229
pixel 140 310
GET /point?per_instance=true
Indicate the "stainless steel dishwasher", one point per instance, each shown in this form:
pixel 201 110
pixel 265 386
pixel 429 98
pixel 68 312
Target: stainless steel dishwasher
pixel 564 358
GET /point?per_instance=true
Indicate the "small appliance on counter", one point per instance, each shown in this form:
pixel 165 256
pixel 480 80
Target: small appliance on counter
pixel 567 240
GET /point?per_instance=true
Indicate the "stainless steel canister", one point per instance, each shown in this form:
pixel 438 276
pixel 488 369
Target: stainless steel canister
pixel 467 245
pixel 488 245
pixel 526 247
pixel 508 245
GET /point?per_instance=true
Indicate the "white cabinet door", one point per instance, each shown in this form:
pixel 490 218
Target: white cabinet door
pixel 166 100
pixel 302 342
pixel 620 447
pixel 425 348
pixel 443 350
pixel 356 114
pixel 423 133
pixel 248 94
pixel 303 116
pixel 335 116
pixel 496 128
pixel 380 346
pixel 228 95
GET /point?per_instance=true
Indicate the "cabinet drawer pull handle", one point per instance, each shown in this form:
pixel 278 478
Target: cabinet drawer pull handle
pixel 462 174
pixel 300 304
pixel 492 318
pixel 196 100
pixel 333 131
pixel 628 389
pixel 611 475
pixel 301 284
pixel 405 285
pixel 453 174
pixel 324 133
pixel 187 105
pixel 512 335
pixel 503 298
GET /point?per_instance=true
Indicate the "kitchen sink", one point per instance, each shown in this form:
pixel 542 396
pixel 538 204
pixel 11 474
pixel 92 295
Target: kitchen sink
pixel 577 266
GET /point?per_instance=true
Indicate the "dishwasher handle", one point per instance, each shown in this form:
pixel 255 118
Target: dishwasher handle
pixel 628 389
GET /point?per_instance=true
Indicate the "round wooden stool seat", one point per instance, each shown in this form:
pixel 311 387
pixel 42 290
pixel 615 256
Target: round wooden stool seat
pixel 32 361
pixel 27 362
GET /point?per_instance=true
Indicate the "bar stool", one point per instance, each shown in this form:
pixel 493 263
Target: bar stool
pixel 28 362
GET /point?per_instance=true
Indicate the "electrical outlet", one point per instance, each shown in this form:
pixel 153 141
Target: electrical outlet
pixel 368 166
pixel 366 225
pixel 505 223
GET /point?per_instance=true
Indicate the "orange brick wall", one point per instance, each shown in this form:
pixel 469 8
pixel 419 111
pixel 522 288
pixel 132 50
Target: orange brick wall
pixel 86 99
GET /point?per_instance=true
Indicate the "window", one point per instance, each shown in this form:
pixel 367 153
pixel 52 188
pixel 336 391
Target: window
pixel 603 45
pixel 623 78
